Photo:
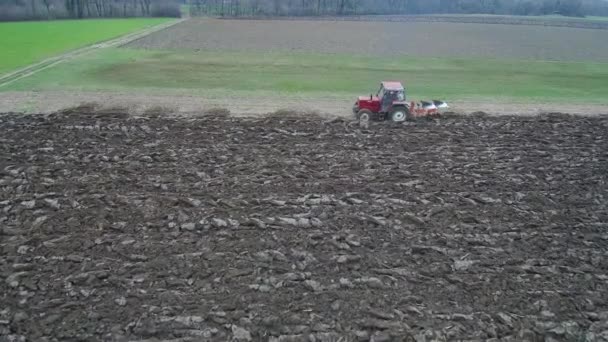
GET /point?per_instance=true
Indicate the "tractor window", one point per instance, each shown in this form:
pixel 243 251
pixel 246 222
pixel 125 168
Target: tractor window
pixel 381 92
pixel 400 96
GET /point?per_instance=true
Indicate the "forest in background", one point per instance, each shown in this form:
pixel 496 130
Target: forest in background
pixel 11 10
pixel 573 8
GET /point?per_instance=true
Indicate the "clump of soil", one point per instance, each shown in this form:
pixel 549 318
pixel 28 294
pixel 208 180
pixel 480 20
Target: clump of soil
pixel 215 228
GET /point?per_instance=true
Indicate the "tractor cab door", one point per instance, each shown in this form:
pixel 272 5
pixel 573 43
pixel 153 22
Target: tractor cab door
pixel 390 97
pixel 386 99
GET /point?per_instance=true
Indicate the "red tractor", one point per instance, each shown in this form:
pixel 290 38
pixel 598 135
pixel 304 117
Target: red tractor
pixel 390 104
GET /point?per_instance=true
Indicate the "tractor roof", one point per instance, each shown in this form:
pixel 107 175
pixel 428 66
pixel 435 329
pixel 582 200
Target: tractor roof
pixel 392 85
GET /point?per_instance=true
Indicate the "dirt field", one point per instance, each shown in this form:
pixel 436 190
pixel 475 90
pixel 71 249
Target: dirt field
pixel 116 228
pixel 384 39
pixel 467 19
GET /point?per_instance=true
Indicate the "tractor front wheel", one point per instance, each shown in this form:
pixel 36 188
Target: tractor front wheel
pixel 364 115
pixel 399 114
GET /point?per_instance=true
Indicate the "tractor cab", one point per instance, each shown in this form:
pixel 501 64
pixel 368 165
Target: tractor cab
pixel 388 104
pixel 389 93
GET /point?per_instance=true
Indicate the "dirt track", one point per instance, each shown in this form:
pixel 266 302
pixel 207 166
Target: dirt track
pixel 116 228
pixel 250 104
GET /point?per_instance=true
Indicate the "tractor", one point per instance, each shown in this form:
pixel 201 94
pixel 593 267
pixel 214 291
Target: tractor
pixel 390 104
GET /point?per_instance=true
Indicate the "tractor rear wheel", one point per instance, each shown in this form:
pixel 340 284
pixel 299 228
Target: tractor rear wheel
pixel 364 115
pixel 399 114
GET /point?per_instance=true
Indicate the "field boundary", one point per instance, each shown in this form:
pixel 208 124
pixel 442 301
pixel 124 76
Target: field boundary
pixel 250 105
pixel 32 69
pixel 551 22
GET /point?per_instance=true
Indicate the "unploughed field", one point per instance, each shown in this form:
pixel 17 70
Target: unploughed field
pixel 294 229
pixel 239 60
pixel 24 43
pixel 240 77
pixel 382 39
pixel 524 19
pixel 591 22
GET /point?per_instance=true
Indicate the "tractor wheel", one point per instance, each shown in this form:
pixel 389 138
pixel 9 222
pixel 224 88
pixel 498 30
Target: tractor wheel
pixel 364 115
pixel 399 114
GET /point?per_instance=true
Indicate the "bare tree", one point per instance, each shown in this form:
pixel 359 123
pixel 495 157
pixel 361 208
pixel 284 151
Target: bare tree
pixel 47 5
pixel 41 9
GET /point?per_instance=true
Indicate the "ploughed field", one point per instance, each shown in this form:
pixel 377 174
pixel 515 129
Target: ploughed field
pixel 378 38
pixel 279 228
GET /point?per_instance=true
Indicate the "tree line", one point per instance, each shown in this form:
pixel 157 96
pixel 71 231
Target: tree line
pixel 575 8
pixel 11 10
pixel 64 9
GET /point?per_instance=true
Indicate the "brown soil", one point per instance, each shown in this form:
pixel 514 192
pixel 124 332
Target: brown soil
pixel 215 228
pixel 383 39
pixel 461 19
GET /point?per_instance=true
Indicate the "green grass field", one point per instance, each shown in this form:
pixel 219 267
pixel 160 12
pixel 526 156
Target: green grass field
pixel 318 75
pixel 24 43
pixel 595 18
